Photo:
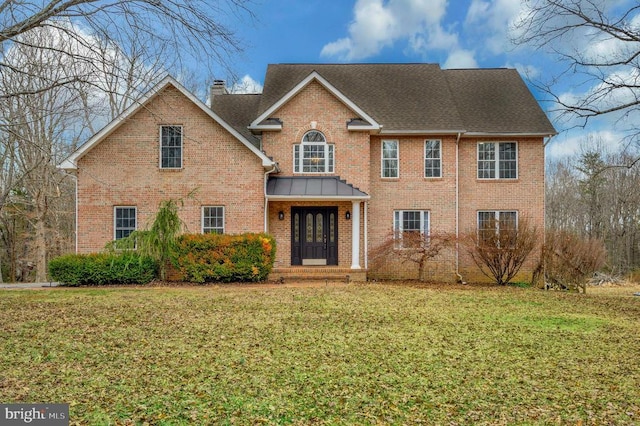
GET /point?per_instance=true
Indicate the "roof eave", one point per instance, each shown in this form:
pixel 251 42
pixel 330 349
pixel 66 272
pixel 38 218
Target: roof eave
pixel 422 132
pixel 510 134
pixel 301 85
pixel 168 80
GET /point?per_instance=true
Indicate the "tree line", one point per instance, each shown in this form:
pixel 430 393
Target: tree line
pixel 595 194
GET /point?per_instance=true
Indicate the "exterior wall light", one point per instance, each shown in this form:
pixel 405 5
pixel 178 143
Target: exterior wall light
pixel 281 215
pixel 347 215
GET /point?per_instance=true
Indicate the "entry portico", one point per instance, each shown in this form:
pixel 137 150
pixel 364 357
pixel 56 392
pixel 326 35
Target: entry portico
pixel 314 214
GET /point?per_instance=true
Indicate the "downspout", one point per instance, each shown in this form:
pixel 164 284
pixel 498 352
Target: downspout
pixel 457 272
pixel 266 201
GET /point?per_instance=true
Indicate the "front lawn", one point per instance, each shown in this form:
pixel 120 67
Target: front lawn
pixel 341 354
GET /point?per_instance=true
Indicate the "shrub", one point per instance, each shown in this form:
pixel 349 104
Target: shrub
pixel 224 258
pixel 501 250
pixel 102 269
pixel 568 260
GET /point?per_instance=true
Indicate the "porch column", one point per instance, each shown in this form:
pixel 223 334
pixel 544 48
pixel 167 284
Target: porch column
pixel 355 235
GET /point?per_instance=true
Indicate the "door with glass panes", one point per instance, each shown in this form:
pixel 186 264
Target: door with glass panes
pixel 314 236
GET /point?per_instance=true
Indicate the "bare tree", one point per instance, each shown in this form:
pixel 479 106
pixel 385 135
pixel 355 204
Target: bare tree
pixel 599 44
pixel 588 197
pixel 410 247
pixel 569 260
pixel 180 33
pixel 501 248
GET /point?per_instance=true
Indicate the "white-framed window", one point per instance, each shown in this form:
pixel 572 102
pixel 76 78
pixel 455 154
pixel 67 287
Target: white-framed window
pixel 170 147
pixel 410 228
pixel 124 221
pixel 313 154
pixel 432 158
pixel 497 160
pixel 390 163
pixel 213 219
pixel 491 223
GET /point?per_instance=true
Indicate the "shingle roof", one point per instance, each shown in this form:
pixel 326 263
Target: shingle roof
pixel 398 96
pixel 238 111
pixel 312 186
pixel 496 101
pixel 407 97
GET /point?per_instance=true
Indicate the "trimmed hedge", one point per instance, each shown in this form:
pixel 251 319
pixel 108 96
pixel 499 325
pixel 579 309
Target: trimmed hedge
pixel 103 269
pixel 204 258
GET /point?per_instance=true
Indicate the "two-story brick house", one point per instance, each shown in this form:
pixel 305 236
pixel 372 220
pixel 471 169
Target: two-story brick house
pixel 330 159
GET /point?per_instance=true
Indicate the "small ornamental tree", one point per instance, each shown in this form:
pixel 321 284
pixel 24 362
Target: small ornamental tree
pixel 410 246
pixel 501 247
pixel 159 240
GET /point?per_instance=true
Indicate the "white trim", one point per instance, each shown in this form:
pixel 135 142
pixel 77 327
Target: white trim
pixel 355 235
pixel 424 160
pixel 72 161
pixel 224 217
pixel 255 125
pixel 115 208
pixel 160 127
pixel 508 135
pixel 382 158
pixel 421 132
pixel 424 213
pixel 496 161
pixel 496 217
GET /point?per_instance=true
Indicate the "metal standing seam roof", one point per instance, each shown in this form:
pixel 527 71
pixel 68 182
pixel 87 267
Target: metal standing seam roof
pixel 312 187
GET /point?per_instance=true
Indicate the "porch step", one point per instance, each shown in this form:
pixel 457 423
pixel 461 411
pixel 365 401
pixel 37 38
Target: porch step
pixel 316 273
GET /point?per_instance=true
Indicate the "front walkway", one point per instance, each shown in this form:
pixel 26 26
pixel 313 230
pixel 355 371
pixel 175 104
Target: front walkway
pixel 27 285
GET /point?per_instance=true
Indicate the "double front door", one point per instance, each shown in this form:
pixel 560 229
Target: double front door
pixel 314 235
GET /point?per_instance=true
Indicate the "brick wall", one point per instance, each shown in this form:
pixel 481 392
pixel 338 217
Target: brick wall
pixel 123 171
pixel 411 191
pixel 315 104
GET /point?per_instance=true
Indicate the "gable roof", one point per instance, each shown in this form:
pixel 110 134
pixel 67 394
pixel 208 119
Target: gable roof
pixel 266 113
pixel 72 162
pixel 409 98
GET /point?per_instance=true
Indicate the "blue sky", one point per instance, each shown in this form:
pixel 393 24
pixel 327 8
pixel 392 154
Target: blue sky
pixel 453 33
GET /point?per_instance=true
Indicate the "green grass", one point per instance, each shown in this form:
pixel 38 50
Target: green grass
pixel 356 354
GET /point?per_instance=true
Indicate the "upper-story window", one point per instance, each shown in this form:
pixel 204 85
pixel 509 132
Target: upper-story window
pixel 497 160
pixel 390 159
pixel 432 159
pixel 170 147
pixel 314 154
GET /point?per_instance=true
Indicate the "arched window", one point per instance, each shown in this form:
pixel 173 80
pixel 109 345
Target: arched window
pixel 313 154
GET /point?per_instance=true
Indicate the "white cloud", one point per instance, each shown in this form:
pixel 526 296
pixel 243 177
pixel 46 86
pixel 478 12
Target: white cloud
pixel 246 85
pixel 378 24
pixel 573 143
pixel 491 20
pixel 460 58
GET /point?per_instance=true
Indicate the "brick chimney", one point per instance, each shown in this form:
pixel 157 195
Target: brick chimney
pixel 218 88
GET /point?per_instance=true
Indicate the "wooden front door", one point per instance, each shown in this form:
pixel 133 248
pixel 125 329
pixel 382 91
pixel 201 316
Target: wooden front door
pixel 314 236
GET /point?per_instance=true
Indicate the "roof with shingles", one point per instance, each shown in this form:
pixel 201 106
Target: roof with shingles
pixel 409 97
pixel 238 111
pixel 496 101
